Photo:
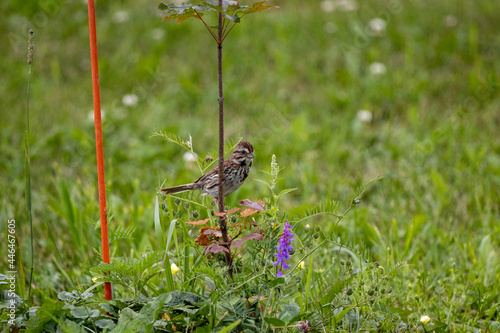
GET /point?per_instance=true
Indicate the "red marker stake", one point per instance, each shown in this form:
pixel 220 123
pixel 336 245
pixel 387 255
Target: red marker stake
pixel 98 142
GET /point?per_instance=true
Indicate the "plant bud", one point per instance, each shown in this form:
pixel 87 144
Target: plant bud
pixel 31 47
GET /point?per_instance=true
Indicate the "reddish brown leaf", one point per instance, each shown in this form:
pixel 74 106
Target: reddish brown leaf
pixel 202 240
pixel 216 248
pixel 233 210
pixel 248 212
pixel 200 222
pixel 219 214
pixel 255 235
pixel 255 205
pixel 211 231
pixel 238 243
pixel 257 298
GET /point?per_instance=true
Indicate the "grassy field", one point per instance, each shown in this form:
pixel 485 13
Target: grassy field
pixel 341 92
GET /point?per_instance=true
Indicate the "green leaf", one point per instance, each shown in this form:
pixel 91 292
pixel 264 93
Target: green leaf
pixel 177 297
pixel 233 18
pixel 83 312
pixel 276 282
pixel 285 191
pixel 257 7
pixel 67 296
pixel 158 227
pixel 180 13
pixel 435 326
pixel 274 321
pixel 171 229
pixel 230 327
pixel 338 317
pixel 289 312
pixel 105 324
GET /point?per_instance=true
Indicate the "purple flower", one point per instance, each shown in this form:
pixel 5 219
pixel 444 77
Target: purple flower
pixel 304 326
pixel 284 248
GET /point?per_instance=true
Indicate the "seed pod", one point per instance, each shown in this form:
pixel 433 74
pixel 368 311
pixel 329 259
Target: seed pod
pixel 31 47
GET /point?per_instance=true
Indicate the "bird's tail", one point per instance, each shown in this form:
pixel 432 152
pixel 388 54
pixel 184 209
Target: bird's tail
pixel 179 189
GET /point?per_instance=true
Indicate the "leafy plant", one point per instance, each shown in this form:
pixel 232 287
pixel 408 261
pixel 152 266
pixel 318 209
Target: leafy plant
pixel 227 12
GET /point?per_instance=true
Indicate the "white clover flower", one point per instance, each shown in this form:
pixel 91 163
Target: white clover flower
pixel 189 157
pixel 341 5
pixel 377 25
pixel 364 116
pixel 158 34
pixel 424 319
pixel 130 100
pixel 377 68
pixel 90 116
pixel 174 268
pixel 330 27
pixel 450 21
pixel 120 16
pixel 327 6
pixel 346 5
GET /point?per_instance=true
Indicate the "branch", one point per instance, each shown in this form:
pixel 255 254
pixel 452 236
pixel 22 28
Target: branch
pixel 206 26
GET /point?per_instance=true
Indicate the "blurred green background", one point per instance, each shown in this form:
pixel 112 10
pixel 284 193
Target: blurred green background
pixel 341 91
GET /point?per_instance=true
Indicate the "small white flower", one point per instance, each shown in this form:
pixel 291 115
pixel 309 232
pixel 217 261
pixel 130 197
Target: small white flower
pixel 424 319
pixel 301 265
pixel 450 21
pixel 346 5
pixel 308 226
pixel 130 100
pixel 377 68
pixel 364 116
pixel 377 25
pixel 90 116
pixel 327 6
pixel 189 143
pixel 158 34
pixel 121 16
pixel 174 268
pixel 330 27
pixel 189 157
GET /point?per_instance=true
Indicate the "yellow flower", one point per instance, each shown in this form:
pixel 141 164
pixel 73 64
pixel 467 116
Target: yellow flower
pixel 424 319
pixel 301 265
pixel 174 268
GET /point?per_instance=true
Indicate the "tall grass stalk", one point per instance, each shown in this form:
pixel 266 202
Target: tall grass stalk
pixel 31 51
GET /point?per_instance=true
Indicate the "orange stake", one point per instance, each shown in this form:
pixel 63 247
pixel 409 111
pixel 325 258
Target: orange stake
pixel 98 142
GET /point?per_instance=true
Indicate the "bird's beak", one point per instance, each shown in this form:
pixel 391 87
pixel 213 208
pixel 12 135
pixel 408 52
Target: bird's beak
pixel 251 155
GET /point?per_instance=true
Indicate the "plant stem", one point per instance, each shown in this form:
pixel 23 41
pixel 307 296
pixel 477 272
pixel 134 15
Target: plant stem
pixel 220 201
pixel 28 159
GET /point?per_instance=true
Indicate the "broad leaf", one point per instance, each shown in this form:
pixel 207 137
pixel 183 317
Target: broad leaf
pixel 289 312
pixel 200 222
pixel 255 205
pixel 274 321
pixel 216 248
pixel 239 242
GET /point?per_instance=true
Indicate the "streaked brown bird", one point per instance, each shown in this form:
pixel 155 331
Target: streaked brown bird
pixel 236 169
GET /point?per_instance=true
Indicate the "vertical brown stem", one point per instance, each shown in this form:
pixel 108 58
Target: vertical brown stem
pixel 223 220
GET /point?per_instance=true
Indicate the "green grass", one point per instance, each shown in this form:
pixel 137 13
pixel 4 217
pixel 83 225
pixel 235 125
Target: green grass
pixel 292 89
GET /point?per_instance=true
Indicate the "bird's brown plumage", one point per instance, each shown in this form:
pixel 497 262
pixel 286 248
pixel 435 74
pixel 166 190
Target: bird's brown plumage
pixel 236 169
